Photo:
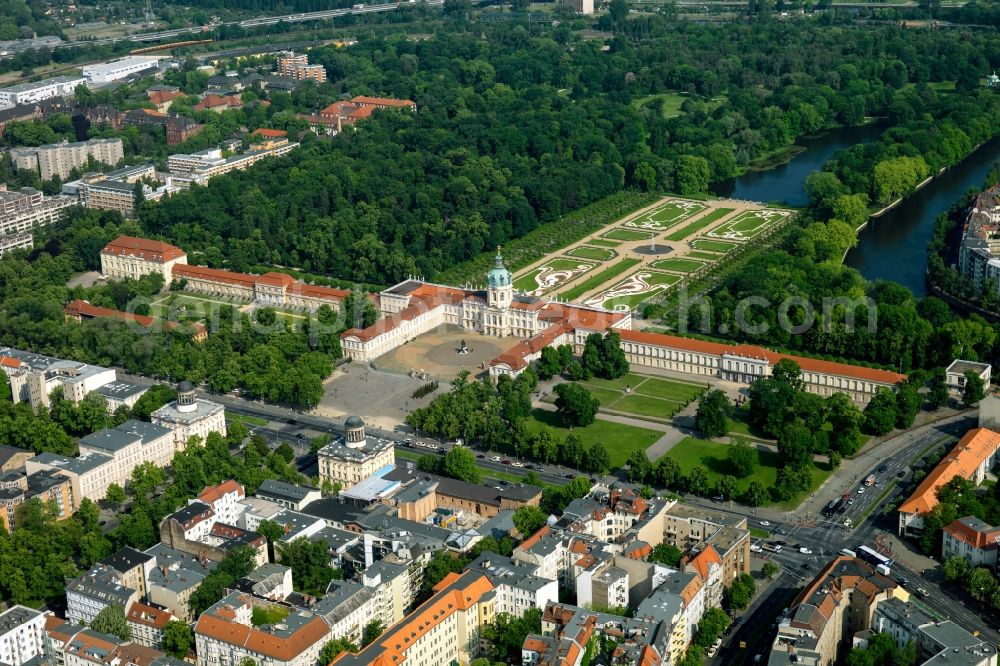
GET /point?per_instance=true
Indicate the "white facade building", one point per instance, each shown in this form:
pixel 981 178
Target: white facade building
pixel 22 635
pixel 129 445
pixel 33 377
pixel 28 93
pixel 24 211
pixel 106 72
pixel 59 159
pixel 190 417
pixel 131 257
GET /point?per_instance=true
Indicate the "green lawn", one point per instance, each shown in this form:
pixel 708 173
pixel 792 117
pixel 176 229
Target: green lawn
pixel 699 224
pixel 655 283
pixel 707 256
pixel 178 306
pixel 619 439
pixel 627 234
pixel 673 101
pixel 669 389
pixel 648 396
pixel 749 223
pixel 644 405
pixel 678 264
pixel 596 253
pixel 600 242
pixel 596 281
pixel 570 267
pixel 674 211
pixel 759 533
pixel 691 452
pixel 487 473
pixel 712 245
pixel 241 418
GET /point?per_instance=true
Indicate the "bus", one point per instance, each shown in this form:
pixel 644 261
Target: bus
pixel 880 562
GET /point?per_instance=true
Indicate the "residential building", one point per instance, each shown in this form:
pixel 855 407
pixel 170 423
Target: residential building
pixel 269 581
pixel 48 486
pixel 171 587
pixel 392 591
pixel 257 510
pixel 287 495
pixel 129 445
pixel 22 635
pixel 568 630
pixel 95 590
pixel 106 72
pixel 297 67
pixel 13 458
pixel 132 567
pixel 384 103
pixel 224 636
pixel 829 611
pixel 180 128
pixel 423 493
pixel 225 501
pixel 207 164
pixel 190 417
pixel 581 6
pixel 971 539
pixel 24 211
pixel 90 474
pixel 28 93
pixel 33 111
pixel 354 457
pixel 59 159
pixel 164 99
pixel 147 622
pixel 679 604
pixel 120 393
pixel 693 528
pixel 118 190
pixel 33 377
pixel 130 257
pixel 938 641
pixel 197 530
pixel 516 586
pixel 218 103
pixel 90 648
pixel 955 374
pixel 708 565
pixel 977 255
pixel 973 456
pixel 346 607
pixel 79 310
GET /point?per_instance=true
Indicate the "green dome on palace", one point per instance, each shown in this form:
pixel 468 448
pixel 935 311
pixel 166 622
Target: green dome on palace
pixel 498 276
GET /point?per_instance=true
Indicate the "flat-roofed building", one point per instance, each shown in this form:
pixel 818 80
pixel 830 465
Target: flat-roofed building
pixel 90 474
pixel 22 212
pixel 354 457
pixel 955 373
pixel 288 495
pixel 121 393
pixel 33 377
pixel 50 487
pixel 694 528
pixel 106 72
pixel 59 159
pixel 939 642
pixel 129 445
pixel 297 67
pixel 131 257
pixel 22 635
pixel 27 93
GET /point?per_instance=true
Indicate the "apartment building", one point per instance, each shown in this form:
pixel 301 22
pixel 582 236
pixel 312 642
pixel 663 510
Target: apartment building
pixel 147 622
pixel 971 539
pixel 33 377
pixel 120 393
pixel 22 635
pixel 207 164
pixel 48 486
pixel 22 212
pixel 346 607
pixel 224 500
pixel 129 445
pixel 197 530
pixel 693 528
pixel 28 93
pixel 190 417
pixel 171 587
pixel 938 641
pixel 286 494
pixel 392 593
pixel 679 604
pixel 106 72
pixel 567 631
pixel 973 456
pixel 131 257
pixel 829 611
pixel 90 474
pixel 59 159
pixel 117 190
pixel 95 590
pixel 133 568
pixel 224 636
pixel 297 67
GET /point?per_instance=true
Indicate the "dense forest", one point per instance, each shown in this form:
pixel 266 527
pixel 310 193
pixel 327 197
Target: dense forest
pixel 516 127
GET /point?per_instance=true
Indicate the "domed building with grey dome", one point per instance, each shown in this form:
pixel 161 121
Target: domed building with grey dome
pixel 188 416
pixel 354 457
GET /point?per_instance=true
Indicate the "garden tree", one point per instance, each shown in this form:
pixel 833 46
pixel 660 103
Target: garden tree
pixel 460 463
pixel 111 620
pixel 880 414
pixel 974 388
pixel 310 564
pixel 742 457
pixel 238 563
pixel 357 310
pixel 146 478
pixel 575 404
pixel 739 593
pixel 770 570
pixel 178 639
pixel 713 622
pixel 571 451
pixel 331 649
pixel 795 444
pixel 755 494
pixel 506 634
pixel 372 630
pixel 981 583
pixel 835 460
pixel 845 423
pixel 286 451
pixel 665 553
pixel 550 363
pixel 882 650
pixel 640 469
pixel 937 396
pixel 555 498
pixel 603 356
pixel 597 460
pixel 668 472
pixel 544 445
pixel 955 569
pixel 114 496
pixel 697 480
pixel 712 417
pixel 726 487
pixel 515 398
pixel 908 403
pixel 788 373
pixel 770 401
pixel 528 520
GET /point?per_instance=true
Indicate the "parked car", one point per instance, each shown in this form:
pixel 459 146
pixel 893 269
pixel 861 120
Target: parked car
pixel 504 462
pixel 861 490
pixel 711 652
pixel 901 473
pixel 804 550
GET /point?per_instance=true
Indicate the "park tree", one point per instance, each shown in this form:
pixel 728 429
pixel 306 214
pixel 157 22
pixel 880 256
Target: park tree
pixel 742 458
pixel 575 405
pixel 571 451
pixel 712 417
pixel 880 414
pixel 955 569
pixel 178 639
pixel 603 356
pixel 726 487
pixel 845 423
pixel 597 460
pixel 974 388
pixel 111 620
pixel 528 520
pixel 756 493
pixel 668 472
pixel 664 553
pixel 640 469
pixel 908 402
pixel 545 445
pixel 357 310
pixel 550 363
pixel 460 463
pixel 795 444
pixel 697 480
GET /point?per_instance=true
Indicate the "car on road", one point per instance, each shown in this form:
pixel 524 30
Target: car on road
pixel 495 459
pixel 901 473
pixel 480 455
pixel 804 550
pixel 565 475
pixel 718 498
pixel 922 591
pixel 861 490
pixel 291 421
pixel 299 435
pixel 505 461
pixel 882 469
pixel 779 530
pixel 711 652
pixel 765 523
pixel 518 464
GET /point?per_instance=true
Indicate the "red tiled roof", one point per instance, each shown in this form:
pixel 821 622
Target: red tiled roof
pixel 214 275
pixel 215 101
pixel 383 101
pixel 164 96
pixel 8 362
pixel 270 133
pixel 703 561
pixel 980 539
pixel 85 310
pixel 975 447
pixel 148 615
pixel 516 358
pixel 212 494
pixel 143 248
pixel 261 642
pixel 276 279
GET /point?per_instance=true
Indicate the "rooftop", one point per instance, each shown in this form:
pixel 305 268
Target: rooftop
pixel 971 451
pixel 280 490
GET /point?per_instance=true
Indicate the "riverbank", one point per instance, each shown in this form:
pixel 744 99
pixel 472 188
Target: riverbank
pixel 893 204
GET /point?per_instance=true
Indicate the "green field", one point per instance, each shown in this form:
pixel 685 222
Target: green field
pixel 627 234
pixel 667 215
pixel 644 405
pixel 652 397
pixel 595 253
pixel 245 420
pixel 178 306
pixel 700 224
pixel 551 274
pixel 678 264
pixel 669 389
pixel 748 224
pixel 712 245
pixel 596 281
pixel 691 452
pixel 672 103
pixel 707 256
pixel 619 439
pixel 600 242
pixel 635 289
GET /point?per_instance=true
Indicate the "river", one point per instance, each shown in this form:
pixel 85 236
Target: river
pixel 893 246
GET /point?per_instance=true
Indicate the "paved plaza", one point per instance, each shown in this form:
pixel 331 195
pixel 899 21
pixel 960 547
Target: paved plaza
pixel 436 353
